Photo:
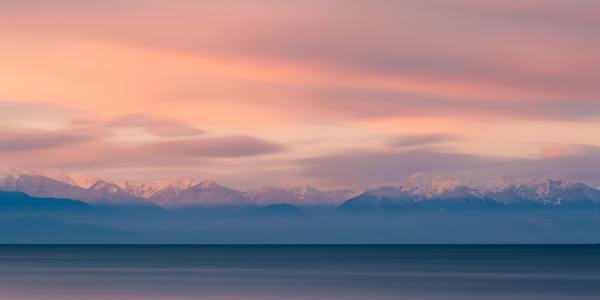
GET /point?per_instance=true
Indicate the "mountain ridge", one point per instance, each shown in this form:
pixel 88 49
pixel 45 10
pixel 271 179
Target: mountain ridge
pixel 418 190
pixel 444 193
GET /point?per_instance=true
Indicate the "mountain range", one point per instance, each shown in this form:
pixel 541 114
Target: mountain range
pixel 425 191
pixel 417 191
pixel 51 207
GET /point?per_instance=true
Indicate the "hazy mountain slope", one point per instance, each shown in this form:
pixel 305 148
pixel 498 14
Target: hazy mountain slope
pixel 20 201
pixel 33 230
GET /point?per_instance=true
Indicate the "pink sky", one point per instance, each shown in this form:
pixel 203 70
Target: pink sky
pixel 330 93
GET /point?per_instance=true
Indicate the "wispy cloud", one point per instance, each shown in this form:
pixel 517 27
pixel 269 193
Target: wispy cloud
pixel 27 111
pixel 26 139
pixel 421 140
pixel 228 146
pixel 158 126
pixel 29 148
pixel 163 88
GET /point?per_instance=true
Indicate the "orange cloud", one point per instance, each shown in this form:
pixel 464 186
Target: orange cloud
pixel 552 152
pixel 164 72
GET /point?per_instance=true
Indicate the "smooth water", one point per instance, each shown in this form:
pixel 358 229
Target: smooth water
pixel 299 272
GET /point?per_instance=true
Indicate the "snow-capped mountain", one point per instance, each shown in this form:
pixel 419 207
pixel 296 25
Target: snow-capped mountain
pixel 109 193
pixel 538 189
pixel 428 186
pixel 158 189
pixel 419 190
pixel 305 195
pixel 178 193
pixel 424 190
pixel 51 185
pixel 379 198
pixel 81 180
pixel 544 191
pixel 186 192
pixel 204 194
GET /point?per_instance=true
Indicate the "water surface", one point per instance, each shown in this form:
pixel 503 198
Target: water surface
pixel 300 272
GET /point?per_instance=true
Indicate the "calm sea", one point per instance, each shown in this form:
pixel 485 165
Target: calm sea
pixel 299 272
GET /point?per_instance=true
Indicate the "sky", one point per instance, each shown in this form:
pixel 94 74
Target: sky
pixel 329 93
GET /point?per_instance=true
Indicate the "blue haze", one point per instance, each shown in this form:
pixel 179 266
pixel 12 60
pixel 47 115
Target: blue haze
pixel 29 220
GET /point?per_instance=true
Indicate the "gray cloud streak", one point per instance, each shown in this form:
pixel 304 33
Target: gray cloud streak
pixel 228 146
pixel 421 140
pixel 23 139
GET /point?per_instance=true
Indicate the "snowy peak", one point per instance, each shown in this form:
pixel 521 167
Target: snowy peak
pixel 81 180
pixel 536 188
pixel 209 185
pixel 305 195
pixel 50 184
pixel 270 195
pixel 386 192
pixel 305 191
pixel 423 190
pixel 204 194
pixel 104 192
pixel 541 186
pixel 549 191
pixel 421 184
pixel 103 186
pixel 418 189
pixel 149 189
pixel 184 192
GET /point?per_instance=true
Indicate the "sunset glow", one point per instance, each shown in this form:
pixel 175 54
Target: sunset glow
pixel 252 93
